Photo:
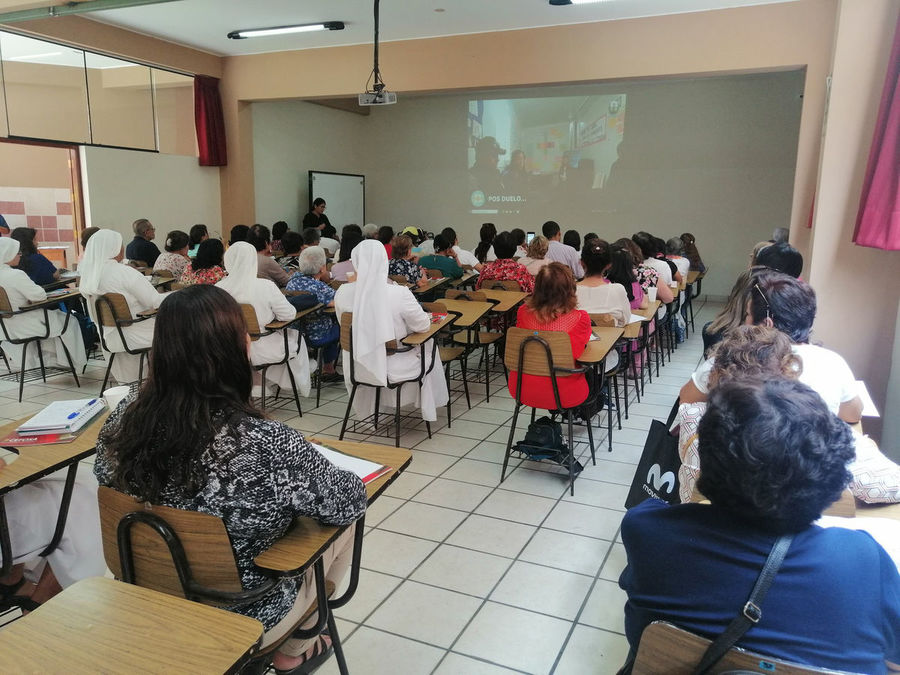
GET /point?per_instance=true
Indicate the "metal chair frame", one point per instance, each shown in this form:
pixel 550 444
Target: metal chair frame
pixel 261 332
pixel 119 323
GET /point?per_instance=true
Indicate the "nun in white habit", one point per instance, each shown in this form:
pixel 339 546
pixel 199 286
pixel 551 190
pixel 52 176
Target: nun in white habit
pixel 384 312
pixel 21 290
pixel 270 305
pixel 103 272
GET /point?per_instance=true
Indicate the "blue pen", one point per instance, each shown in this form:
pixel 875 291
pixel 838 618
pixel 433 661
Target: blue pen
pixel 81 410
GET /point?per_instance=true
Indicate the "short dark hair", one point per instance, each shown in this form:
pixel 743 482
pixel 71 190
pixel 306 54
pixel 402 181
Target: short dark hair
pixel 197 232
pixel 442 243
pixel 504 246
pixel 291 242
pixel 789 302
pixel 518 235
pixel 259 237
pixel 646 243
pixel 318 201
pixel 550 229
pixel 238 233
pixel 87 233
pixel 278 229
pixel 385 234
pixel 596 257
pixel 573 239
pixel 351 227
pixel 772 452
pixel 209 254
pixel 349 240
pixel 450 233
pixel 781 257
pixel 311 236
pixel 176 240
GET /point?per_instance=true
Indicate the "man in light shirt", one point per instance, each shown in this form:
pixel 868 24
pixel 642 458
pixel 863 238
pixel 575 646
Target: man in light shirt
pixel 559 252
pixel 462 256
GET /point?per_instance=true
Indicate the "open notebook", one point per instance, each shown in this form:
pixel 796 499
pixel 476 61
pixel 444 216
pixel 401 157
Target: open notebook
pixel 366 470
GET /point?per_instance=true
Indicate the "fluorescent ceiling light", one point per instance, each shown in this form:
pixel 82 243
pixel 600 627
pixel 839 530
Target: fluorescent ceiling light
pixel 32 57
pixel 285 30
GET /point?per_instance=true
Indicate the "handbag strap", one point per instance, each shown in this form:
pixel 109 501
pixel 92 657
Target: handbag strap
pixel 751 612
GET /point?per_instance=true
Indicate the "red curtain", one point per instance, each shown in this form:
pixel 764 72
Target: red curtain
pixel 209 121
pixel 878 220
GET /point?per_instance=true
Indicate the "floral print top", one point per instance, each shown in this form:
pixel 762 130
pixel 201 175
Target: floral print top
pixel 407 268
pixel 210 275
pixel 506 269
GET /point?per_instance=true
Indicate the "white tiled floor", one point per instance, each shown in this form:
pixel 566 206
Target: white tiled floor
pixel 463 574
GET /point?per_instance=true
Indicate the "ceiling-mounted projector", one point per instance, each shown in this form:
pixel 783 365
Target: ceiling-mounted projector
pixel 378 94
pixel 382 97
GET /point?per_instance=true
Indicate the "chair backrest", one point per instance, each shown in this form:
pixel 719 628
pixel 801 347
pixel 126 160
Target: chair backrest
pixel 434 274
pixel 203 537
pixel 457 294
pixel 251 321
pixel 603 319
pixel 347 332
pixel 668 649
pixel 138 264
pixel 5 304
pixel 501 285
pixel 336 283
pixel 399 278
pixel 845 506
pixel 112 310
pixel 163 274
pixel 537 361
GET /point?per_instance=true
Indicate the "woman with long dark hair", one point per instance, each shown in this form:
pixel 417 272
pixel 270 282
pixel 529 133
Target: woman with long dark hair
pixel 349 240
pixel 190 438
pixel 198 234
pixel 206 267
pixel 596 294
pixel 621 271
pixel 485 249
pixel 38 268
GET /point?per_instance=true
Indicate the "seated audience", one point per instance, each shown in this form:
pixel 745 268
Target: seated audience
pixel 621 271
pixel 198 234
pixel 690 250
pixel 463 257
pixel 206 267
pixel 646 275
pixel 675 253
pixel 573 239
pixel 86 234
pixel 536 255
pixel 267 268
pixel 596 295
pixel 175 259
pixel 773 459
pixel 518 236
pixel 385 234
pixel 102 272
pixel 734 313
pixel 552 306
pixel 349 241
pixel 383 312
pixel 443 260
pixel 142 247
pixel 20 290
pixel 560 252
pixel 190 438
pixel 291 245
pixel 238 233
pixel 38 268
pixel 650 252
pixel 754 254
pixel 329 245
pixel 351 227
pixel 484 252
pixel 278 230
pixel 789 305
pixel 370 231
pixel 505 268
pixel 319 330
pixel 311 236
pixel 402 262
pixel 269 304
pixel 782 258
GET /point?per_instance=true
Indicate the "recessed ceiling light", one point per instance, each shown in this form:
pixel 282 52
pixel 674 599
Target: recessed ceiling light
pixel 285 30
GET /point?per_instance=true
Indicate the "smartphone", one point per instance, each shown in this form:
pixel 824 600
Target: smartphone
pixel 528 237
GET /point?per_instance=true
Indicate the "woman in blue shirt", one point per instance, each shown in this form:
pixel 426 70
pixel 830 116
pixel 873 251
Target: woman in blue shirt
pixel 40 270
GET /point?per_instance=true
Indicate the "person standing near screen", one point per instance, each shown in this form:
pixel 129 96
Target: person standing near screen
pixel 317 218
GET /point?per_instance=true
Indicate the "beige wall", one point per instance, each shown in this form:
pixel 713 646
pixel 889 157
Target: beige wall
pixel 34 166
pixel 858 288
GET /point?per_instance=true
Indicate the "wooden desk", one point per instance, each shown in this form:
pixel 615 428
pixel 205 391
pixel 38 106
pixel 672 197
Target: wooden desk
pixel 275 325
pixel 161 282
pixel 101 625
pixel 470 311
pixel 419 338
pixel 864 510
pixel 633 330
pixel 596 350
pixel 430 286
pixel 466 278
pixel 506 300
pixel 307 538
pixel 692 276
pixel 56 299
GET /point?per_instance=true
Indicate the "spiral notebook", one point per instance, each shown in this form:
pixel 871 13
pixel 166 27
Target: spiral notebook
pixel 61 417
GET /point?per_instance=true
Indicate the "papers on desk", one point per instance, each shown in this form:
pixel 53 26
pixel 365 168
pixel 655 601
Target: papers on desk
pixel 366 470
pixel 62 417
pixel 58 292
pixel 869 409
pixel 636 318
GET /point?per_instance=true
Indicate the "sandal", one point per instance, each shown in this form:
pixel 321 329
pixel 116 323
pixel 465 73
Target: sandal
pixel 321 651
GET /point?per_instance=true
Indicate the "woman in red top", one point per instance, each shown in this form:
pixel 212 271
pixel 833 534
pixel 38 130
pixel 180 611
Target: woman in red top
pixel 504 268
pixel 552 307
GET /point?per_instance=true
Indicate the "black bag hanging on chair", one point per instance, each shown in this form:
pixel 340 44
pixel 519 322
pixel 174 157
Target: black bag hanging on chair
pixel 544 440
pixel 657 472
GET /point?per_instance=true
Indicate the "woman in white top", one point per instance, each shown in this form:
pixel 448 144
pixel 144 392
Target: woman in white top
pixel 102 272
pixel 270 305
pixel 21 290
pixel 536 256
pixel 595 294
pixel 384 312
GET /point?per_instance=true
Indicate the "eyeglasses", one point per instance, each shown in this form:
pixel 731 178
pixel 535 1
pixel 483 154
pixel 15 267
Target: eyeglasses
pixel 765 300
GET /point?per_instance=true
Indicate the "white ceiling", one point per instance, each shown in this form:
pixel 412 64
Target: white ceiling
pixel 204 24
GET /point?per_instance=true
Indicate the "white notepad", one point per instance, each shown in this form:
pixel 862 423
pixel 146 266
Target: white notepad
pixel 59 416
pixel 366 470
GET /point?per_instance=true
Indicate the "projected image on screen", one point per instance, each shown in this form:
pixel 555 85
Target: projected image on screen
pixel 540 155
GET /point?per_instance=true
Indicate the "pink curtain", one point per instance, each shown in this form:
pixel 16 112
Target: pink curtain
pixel 209 121
pixel 878 220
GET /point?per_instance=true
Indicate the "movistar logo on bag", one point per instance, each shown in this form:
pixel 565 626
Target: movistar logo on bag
pixel 656 480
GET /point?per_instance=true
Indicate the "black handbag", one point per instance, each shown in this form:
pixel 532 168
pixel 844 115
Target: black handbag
pixel 657 471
